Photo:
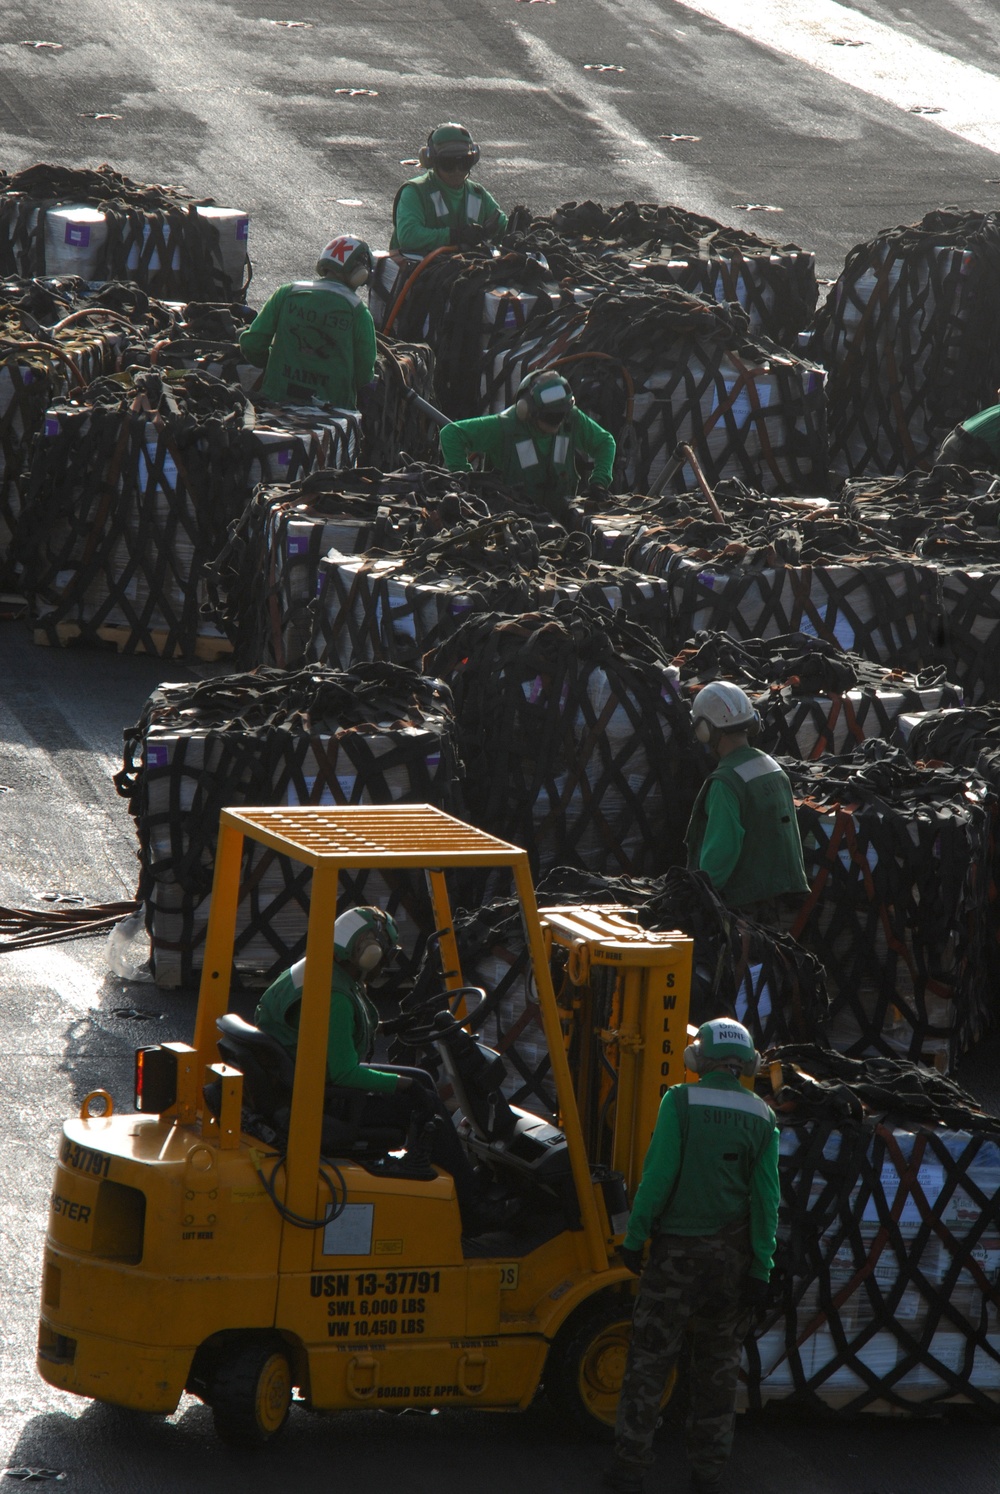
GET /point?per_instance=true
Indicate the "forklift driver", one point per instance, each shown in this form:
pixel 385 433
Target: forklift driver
pixel 362 939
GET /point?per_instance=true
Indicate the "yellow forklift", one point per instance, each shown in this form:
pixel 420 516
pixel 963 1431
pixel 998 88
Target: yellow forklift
pixel 194 1244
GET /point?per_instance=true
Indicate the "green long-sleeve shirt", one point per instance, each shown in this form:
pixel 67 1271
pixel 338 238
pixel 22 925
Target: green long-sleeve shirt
pixel 985 427
pixel 426 213
pixel 527 458
pixel 353 1025
pixel 722 1155
pixel 314 339
pixel 720 850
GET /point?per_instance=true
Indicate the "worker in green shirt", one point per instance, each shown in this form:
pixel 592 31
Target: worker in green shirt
pixel 362 939
pixel 975 443
pixel 442 205
pixel 743 833
pixel 315 339
pixel 533 446
pixel 709 1198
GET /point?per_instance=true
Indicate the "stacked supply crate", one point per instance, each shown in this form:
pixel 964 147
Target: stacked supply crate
pixel 399 607
pixel 658 367
pixel 376 735
pixel 813 698
pixel 99 225
pixel 265 582
pixel 906 335
pixel 899 860
pixel 886 1290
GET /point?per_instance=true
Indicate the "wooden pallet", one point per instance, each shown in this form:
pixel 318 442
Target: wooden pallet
pixel 210 649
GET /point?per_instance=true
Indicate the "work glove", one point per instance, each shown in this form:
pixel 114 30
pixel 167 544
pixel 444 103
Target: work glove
pixel 632 1260
pixel 597 493
pixel 469 236
pixel 755 1294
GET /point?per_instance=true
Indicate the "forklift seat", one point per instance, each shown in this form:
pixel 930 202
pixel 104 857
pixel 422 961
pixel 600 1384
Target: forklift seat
pixel 268 1073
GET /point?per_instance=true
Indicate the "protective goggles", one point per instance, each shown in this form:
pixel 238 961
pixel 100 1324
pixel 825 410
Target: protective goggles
pixel 454 163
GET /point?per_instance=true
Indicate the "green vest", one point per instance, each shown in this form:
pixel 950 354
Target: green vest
pixel 725 1131
pixel 279 1008
pixel 543 467
pixel 770 861
pixel 438 213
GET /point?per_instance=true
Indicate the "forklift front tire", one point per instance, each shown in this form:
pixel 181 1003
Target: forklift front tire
pixel 250 1394
pixel 585 1365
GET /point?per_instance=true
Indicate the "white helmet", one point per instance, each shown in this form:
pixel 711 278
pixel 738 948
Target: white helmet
pixel 348 259
pixel 721 707
pixel 365 936
pixel 722 1043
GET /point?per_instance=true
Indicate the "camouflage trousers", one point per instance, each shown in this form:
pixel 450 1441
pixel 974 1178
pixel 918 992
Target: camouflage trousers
pixel 691 1286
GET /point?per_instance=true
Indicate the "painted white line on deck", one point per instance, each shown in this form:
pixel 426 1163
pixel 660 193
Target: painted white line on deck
pixel 889 66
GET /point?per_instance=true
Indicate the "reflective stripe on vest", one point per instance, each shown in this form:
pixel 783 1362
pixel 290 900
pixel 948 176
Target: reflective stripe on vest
pixel 440 206
pixel 527 455
pixel 757 767
pixel 728 1099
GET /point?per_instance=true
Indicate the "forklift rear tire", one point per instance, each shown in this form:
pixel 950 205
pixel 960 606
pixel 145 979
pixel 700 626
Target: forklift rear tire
pixel 250 1394
pixel 586 1365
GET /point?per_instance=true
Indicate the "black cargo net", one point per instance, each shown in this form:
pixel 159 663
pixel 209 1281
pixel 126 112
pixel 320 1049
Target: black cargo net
pixel 776 567
pixel 900 861
pixel 885 1289
pixel 657 368
pixel 131 489
pixel 813 698
pixel 774 283
pixel 968 738
pixel 399 607
pixel 155 235
pixel 376 735
pixel 907 334
pixel 575 742
pixel 394 428
pixel 465 303
pixel 740 969
pixel 264 584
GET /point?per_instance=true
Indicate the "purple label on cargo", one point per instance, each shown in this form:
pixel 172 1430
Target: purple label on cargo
pixel 51 425
pixel 707 579
pixel 433 761
pixel 298 544
pixel 283 456
pixel 27 377
pixel 156 757
pixel 242 230
pixel 460 604
pixel 78 234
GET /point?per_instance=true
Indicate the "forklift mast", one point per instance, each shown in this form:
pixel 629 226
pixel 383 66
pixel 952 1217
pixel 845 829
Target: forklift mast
pixel 625 1003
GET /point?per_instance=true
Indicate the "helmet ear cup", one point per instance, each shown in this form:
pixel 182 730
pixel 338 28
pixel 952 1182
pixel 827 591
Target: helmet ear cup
pixel 358 276
pixel 368 953
pixel 703 730
pixel 522 409
pixel 692 1057
pixel 424 155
